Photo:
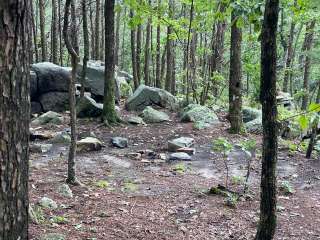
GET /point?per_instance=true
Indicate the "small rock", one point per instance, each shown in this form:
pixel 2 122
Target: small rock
pixel 190 151
pixel 48 203
pixel 182 142
pixel 48 117
pixel 135 120
pixel 134 155
pixel 40 148
pixel 87 107
pixel 119 142
pixel 151 115
pixel 180 156
pixel 89 144
pixel 61 138
pixel 53 236
pixel 65 191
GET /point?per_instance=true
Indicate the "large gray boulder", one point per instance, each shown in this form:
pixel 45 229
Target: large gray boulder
pixel 201 116
pixel 54 101
pixel 151 115
pixel 178 143
pixel 252 119
pixel 88 107
pixel 48 118
pixel 51 77
pixel 33 85
pixel 148 96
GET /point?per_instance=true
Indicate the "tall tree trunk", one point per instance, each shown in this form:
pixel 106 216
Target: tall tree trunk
pixel 268 202
pixel 85 45
pixel 54 33
pixel 14 118
pixel 307 64
pixel 235 84
pixel 60 33
pixel 42 30
pixel 138 52
pixel 109 114
pixel 102 42
pixel 71 47
pixel 169 50
pixel 133 54
pixel 117 43
pixel 289 55
pixel 147 52
pixel 123 40
pixel 34 32
pixel 188 51
pixel 97 31
pixel 158 50
pixel 92 28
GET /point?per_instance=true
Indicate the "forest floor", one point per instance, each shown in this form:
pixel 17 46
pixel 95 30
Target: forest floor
pixel 124 197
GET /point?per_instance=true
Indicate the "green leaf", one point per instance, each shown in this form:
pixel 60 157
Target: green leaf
pixel 314 107
pixel 303 122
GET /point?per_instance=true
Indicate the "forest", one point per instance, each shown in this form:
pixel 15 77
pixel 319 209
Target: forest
pixel 159 119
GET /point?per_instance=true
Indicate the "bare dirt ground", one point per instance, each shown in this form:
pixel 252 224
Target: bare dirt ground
pixel 148 198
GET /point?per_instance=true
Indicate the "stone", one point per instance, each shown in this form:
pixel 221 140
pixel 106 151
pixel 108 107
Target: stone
pixel 51 77
pixel 123 88
pixel 65 191
pixel 48 203
pixel 48 117
pixel 178 143
pixel 88 107
pixel 40 148
pixel 33 86
pixel 54 101
pixel 151 115
pixel 53 236
pixel 180 156
pixel 87 134
pixel 188 150
pixel 135 120
pixel 285 99
pixel 148 96
pixel 250 114
pixel 61 138
pixel 89 144
pixel 201 116
pixel 36 107
pixel 119 142
pixel 254 126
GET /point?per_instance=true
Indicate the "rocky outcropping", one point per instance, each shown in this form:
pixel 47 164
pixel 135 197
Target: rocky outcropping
pixel 252 119
pixel 149 96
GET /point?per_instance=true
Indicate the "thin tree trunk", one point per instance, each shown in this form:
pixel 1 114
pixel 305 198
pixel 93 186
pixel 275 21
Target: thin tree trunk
pixel 307 64
pixel 93 48
pixel 188 51
pixel 85 46
pixel 74 61
pixel 117 43
pixel 102 42
pixel 60 33
pixel 133 54
pixel 138 52
pixel 97 31
pixel 158 51
pixel 235 83
pixel 42 30
pixel 123 40
pixel 268 202
pixel 169 50
pixel 34 32
pixel 54 33
pixel 14 118
pixel 147 52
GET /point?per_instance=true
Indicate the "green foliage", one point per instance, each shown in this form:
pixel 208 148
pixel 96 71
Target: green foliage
pixel 101 184
pixel 180 168
pixel 59 219
pixel 222 145
pixel 238 180
pixel 286 188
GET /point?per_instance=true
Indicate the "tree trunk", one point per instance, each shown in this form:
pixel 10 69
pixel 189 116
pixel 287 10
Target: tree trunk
pixel 169 50
pixel 147 52
pixel 97 31
pixel 85 45
pixel 60 33
pixel 92 40
pixel 54 33
pixel 133 54
pixel 235 84
pixel 14 118
pixel 158 51
pixel 102 42
pixel 42 30
pixel 307 64
pixel 74 60
pixel 268 202
pixel 138 52
pixel 109 114
pixel 34 33
pixel 117 44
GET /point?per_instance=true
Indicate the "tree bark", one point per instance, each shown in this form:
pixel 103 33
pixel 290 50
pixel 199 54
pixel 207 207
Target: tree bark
pixel 117 43
pixel 138 52
pixel 268 202
pixel 74 60
pixel 97 31
pixel 85 45
pixel 158 50
pixel 14 118
pixel 133 54
pixel 169 50
pixel 109 114
pixel 147 52
pixel 54 33
pixel 235 84
pixel 42 30
pixel 307 64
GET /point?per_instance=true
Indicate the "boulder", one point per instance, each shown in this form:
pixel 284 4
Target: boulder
pixel 201 116
pixel 249 114
pixel 40 148
pixel 285 99
pixel 61 138
pixel 135 120
pixel 65 191
pixel 147 96
pixel 182 156
pixel 54 101
pixel 51 77
pixel 151 115
pixel 48 203
pixel 36 107
pixel 53 236
pixel 119 142
pixel 123 88
pixel 33 86
pixel 89 144
pixel 48 117
pixel 88 107
pixel 178 143
pixel 254 126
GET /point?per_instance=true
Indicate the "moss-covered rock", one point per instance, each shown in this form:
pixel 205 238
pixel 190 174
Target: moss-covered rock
pixel 151 115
